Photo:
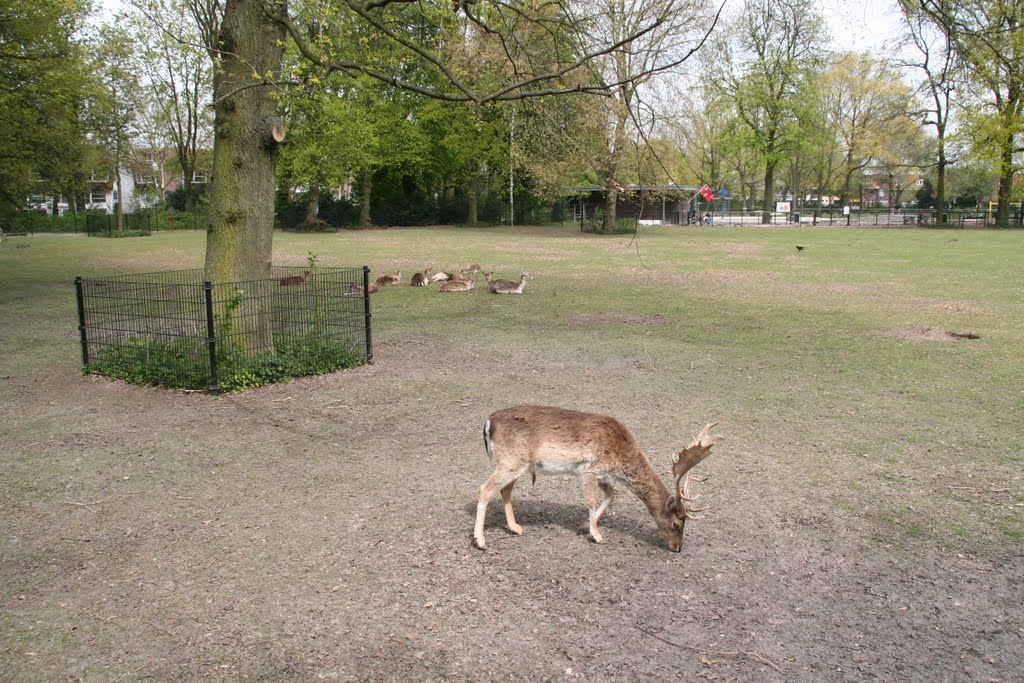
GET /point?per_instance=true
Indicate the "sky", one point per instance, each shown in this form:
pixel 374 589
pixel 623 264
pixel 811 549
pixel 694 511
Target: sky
pixel 860 25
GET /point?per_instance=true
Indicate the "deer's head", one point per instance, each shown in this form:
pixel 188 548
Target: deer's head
pixel 680 507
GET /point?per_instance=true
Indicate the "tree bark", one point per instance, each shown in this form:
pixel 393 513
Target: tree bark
pixel 1006 169
pixel 241 217
pixel 472 207
pixel 769 192
pixel 940 184
pixel 365 190
pixel 312 205
pixel 611 199
pixel 119 204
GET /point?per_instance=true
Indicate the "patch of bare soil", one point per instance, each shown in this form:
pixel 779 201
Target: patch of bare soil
pixel 623 318
pixel 931 334
pixel 322 530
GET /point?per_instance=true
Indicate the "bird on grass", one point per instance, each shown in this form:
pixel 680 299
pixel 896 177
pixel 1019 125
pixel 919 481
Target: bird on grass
pixel 799 248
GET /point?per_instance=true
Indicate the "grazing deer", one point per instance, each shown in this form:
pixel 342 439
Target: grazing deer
pixel 419 280
pixel 294 279
pixel 507 286
pixel 555 440
pixel 459 285
pixel 386 280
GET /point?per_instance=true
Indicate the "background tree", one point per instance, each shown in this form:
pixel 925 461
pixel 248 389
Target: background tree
pixel 867 102
pixel 760 63
pixel 676 31
pixel 41 79
pixel 988 37
pixel 113 105
pixel 179 73
pixel 904 157
pixel 936 63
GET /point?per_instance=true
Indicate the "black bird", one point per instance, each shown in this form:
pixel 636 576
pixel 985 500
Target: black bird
pixel 799 248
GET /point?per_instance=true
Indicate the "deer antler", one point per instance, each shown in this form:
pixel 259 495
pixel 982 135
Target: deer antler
pixel 685 460
pixel 687 509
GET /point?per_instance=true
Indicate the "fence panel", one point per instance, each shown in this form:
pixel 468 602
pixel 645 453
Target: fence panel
pixel 173 329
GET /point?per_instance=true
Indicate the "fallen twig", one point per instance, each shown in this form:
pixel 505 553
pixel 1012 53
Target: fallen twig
pixel 759 657
pixel 88 506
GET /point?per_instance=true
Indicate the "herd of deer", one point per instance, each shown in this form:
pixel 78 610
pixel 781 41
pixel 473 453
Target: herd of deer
pixel 452 281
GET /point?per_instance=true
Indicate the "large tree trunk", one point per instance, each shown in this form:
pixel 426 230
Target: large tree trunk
pixel 472 206
pixel 247 131
pixel 119 204
pixel 940 185
pixel 769 192
pixel 186 184
pixel 312 206
pixel 1005 182
pixel 611 200
pixel 365 190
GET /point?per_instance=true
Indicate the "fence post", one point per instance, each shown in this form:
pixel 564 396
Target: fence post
pixel 366 311
pixel 211 337
pixel 80 295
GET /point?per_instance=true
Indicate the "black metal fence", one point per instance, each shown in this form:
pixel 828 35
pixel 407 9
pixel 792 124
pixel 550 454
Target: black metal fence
pixel 953 218
pixel 102 224
pixel 177 330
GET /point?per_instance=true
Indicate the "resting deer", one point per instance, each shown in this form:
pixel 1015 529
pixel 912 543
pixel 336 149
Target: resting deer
pixel 435 276
pixel 385 280
pixel 419 280
pixel 507 286
pixel 459 285
pixel 555 440
pixel 294 279
pixel 372 288
pixel 471 268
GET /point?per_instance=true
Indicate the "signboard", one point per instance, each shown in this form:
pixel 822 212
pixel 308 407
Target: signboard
pixel 846 210
pixel 782 207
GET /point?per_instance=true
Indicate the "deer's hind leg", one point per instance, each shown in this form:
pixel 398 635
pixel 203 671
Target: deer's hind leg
pixel 504 478
pixel 599 496
pixel 506 499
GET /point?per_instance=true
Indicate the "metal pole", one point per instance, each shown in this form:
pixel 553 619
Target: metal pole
pixel 80 295
pixel 366 310
pixel 211 337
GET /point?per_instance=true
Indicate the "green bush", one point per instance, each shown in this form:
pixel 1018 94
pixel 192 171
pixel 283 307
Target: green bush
pixel 182 364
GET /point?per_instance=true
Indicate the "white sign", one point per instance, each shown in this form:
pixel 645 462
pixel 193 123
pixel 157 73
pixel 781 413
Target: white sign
pixel 846 210
pixel 782 207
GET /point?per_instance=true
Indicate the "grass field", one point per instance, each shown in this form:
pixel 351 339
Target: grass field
pixel 854 334
pixel 870 385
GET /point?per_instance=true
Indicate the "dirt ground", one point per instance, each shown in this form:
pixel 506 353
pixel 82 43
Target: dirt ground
pixel 322 530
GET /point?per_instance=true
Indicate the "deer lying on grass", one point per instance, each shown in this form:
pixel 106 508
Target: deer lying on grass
pixel 386 280
pixel 457 284
pixel 471 268
pixel 555 440
pixel 507 286
pixel 419 280
pixel 294 279
pixel 435 275
pixel 372 288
